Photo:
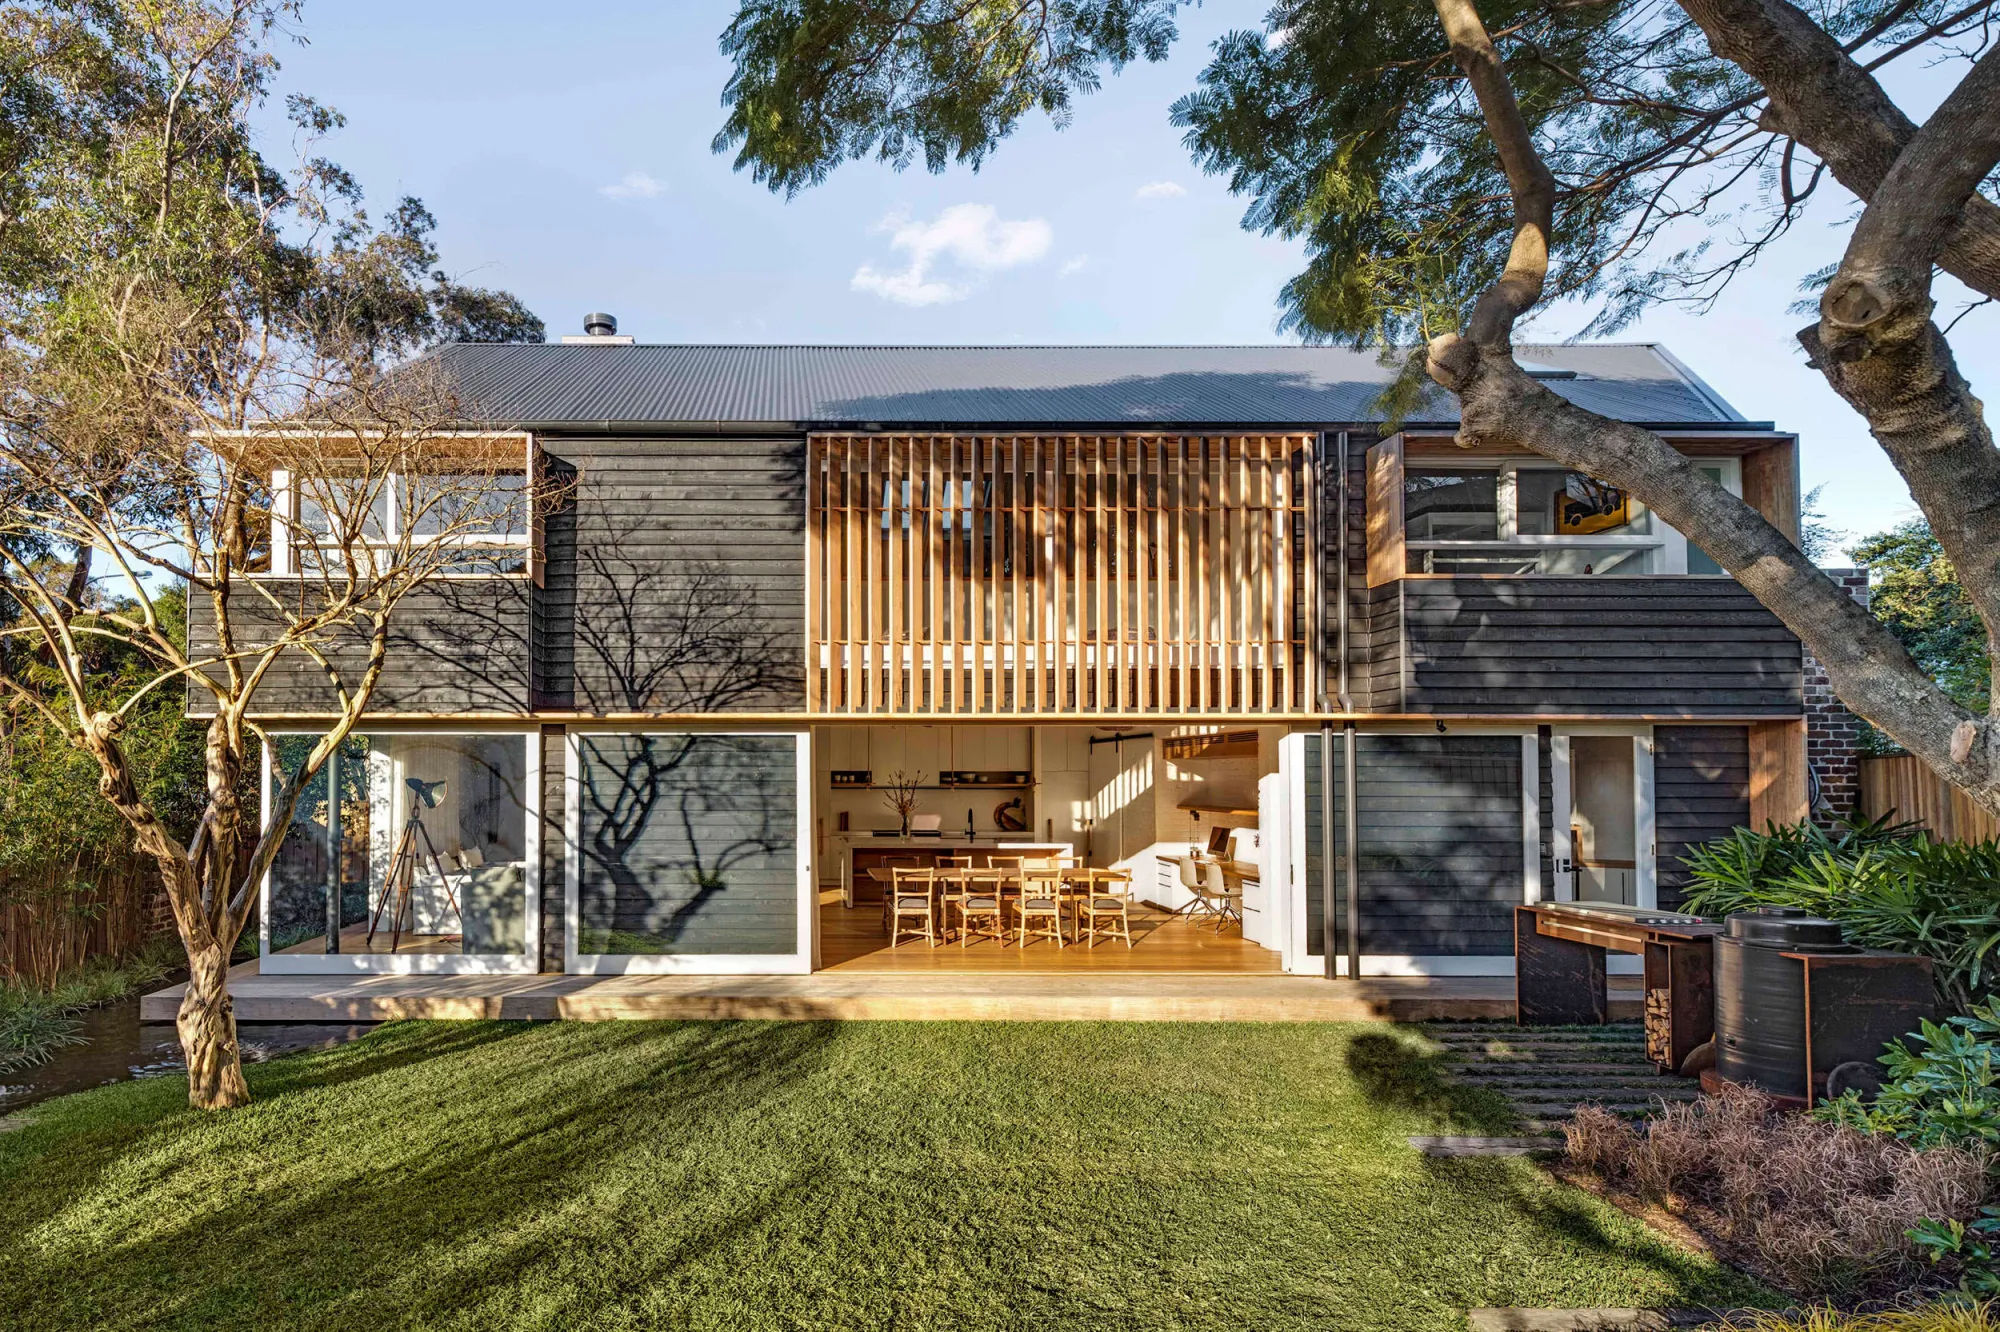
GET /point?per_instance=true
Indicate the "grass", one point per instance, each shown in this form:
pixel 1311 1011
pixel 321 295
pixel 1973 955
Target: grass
pixel 809 1176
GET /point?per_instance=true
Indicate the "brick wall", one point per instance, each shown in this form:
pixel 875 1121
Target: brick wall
pixel 1833 734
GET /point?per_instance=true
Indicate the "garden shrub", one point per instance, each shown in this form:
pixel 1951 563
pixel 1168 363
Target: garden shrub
pixel 1945 1090
pixel 1887 886
pixel 1821 1208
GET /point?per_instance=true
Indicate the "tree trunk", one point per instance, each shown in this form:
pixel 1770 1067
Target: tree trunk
pixel 207 1024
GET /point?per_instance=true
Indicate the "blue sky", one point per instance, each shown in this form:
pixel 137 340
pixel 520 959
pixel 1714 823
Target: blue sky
pixel 565 152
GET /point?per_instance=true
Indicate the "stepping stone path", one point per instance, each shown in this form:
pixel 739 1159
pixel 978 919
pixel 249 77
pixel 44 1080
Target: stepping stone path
pixel 1546 1072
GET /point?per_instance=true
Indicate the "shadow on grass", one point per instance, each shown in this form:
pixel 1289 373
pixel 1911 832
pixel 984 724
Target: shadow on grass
pixel 380 1225
pixel 1397 1069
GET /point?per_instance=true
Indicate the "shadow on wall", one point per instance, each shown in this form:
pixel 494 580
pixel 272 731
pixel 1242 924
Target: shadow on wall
pixel 637 616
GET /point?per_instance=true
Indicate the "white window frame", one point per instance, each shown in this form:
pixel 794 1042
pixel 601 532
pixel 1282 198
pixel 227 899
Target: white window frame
pixel 287 532
pixel 1669 545
pixel 797 962
pixel 526 962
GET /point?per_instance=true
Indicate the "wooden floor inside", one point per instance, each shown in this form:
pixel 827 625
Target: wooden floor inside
pixel 852 940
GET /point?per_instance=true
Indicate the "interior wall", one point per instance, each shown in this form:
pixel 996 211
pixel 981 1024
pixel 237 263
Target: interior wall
pixel 924 750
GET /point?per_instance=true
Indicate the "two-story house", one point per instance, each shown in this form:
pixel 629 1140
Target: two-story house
pixel 1132 603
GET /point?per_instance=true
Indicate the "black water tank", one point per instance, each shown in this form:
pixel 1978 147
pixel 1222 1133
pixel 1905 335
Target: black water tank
pixel 1760 996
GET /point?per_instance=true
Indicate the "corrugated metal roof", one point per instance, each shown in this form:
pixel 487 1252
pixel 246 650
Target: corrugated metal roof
pixel 555 384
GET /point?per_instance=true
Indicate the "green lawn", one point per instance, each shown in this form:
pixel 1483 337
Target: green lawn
pixel 808 1176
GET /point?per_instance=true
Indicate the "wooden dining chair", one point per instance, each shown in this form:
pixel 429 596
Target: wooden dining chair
pixel 981 899
pixel 888 889
pixel 1041 901
pixel 913 897
pixel 1108 899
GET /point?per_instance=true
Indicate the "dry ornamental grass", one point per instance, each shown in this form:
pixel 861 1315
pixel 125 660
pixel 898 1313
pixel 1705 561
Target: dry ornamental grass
pixel 1818 1208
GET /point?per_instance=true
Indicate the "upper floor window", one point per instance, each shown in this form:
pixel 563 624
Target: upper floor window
pixel 472 522
pixel 1521 518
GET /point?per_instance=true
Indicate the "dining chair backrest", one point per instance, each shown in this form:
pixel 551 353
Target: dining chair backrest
pixel 1212 879
pixel 984 881
pixel 912 878
pixel 1003 862
pixel 1190 872
pixel 1040 883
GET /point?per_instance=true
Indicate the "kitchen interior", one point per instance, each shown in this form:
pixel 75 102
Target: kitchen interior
pixel 1169 804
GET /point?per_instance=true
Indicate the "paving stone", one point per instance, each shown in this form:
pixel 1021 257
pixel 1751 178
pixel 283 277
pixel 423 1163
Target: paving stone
pixel 1568 1320
pixel 1462 1146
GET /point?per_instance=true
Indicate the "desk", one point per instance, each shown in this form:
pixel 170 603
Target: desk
pixel 1559 950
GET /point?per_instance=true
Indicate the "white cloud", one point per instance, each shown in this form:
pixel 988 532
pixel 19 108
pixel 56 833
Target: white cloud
pixel 1159 189
pixel 1276 38
pixel 1073 265
pixel 971 236
pixel 634 185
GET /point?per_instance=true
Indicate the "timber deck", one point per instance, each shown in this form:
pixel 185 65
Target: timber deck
pixel 963 996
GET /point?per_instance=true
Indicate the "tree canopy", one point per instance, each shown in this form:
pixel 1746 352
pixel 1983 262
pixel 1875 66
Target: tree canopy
pixel 1915 592
pixel 1342 123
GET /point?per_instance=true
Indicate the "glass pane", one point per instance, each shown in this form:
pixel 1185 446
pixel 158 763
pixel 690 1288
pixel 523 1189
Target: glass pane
pixel 1556 503
pixel 689 845
pixel 1699 560
pixel 431 832
pixel 1598 560
pixel 471 505
pixel 1440 842
pixel 341 508
pixel 1450 504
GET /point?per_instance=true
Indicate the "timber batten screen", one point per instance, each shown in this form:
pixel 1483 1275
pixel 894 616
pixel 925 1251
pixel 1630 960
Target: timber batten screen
pixel 1057 575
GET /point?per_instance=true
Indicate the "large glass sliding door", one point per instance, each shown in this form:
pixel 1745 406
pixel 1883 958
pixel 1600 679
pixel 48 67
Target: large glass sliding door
pixel 686 853
pixel 406 852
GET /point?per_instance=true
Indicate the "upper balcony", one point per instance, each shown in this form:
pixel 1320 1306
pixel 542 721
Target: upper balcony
pixel 1058 575
pixel 1510 585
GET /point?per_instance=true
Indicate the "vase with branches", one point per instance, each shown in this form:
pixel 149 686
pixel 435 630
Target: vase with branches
pixel 899 793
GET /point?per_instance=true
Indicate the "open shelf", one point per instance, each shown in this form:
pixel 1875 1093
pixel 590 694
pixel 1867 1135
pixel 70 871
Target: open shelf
pixel 1233 811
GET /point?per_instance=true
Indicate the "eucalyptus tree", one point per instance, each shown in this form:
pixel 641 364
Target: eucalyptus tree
pixel 1452 168
pixel 171 302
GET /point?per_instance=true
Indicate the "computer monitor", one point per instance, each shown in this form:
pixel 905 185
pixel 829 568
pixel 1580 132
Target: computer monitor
pixel 1218 841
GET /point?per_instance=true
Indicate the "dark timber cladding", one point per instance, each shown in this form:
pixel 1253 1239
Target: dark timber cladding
pixel 1701 790
pixel 1441 862
pixel 674 577
pixel 1583 646
pixel 455 645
